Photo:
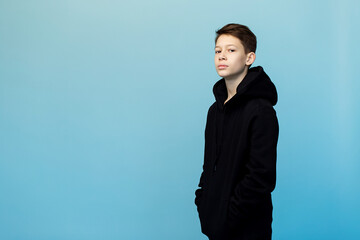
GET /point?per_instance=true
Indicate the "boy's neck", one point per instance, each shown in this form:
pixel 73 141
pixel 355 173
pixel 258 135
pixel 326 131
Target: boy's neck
pixel 232 83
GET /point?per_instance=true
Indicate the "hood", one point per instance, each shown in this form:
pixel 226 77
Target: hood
pixel 256 84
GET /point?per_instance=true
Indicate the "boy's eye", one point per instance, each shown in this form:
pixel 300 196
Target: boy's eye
pixel 218 51
pixel 231 50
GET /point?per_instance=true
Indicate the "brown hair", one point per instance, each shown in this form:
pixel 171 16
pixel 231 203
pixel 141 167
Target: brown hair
pixel 242 32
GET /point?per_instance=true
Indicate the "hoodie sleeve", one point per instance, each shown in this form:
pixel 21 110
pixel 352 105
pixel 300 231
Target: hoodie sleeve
pixel 252 193
pixel 199 191
pixel 202 183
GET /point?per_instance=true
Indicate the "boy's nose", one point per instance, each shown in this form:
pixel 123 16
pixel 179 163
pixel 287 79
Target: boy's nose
pixel 221 57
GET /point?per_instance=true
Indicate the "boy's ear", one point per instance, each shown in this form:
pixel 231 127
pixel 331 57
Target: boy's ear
pixel 250 59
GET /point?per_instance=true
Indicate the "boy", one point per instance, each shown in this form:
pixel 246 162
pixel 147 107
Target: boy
pixel 234 195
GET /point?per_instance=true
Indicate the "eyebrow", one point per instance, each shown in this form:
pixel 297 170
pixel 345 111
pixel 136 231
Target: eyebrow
pixel 226 45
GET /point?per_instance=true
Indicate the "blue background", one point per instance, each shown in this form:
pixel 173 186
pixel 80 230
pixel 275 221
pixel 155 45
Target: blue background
pixel 103 107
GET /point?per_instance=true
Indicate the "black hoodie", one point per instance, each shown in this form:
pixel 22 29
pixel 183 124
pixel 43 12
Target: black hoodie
pixel 239 171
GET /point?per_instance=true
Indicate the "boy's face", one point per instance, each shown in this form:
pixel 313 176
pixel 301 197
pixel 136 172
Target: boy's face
pixel 231 61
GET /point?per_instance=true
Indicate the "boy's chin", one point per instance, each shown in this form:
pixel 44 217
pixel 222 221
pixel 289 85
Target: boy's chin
pixel 222 75
pixel 226 76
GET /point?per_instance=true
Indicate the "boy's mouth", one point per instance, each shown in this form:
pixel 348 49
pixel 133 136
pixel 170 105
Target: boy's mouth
pixel 222 66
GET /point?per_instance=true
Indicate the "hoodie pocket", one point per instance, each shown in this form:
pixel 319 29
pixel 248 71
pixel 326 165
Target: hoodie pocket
pixel 203 214
pixel 233 216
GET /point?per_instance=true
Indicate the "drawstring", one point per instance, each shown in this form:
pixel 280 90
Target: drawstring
pixel 218 137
